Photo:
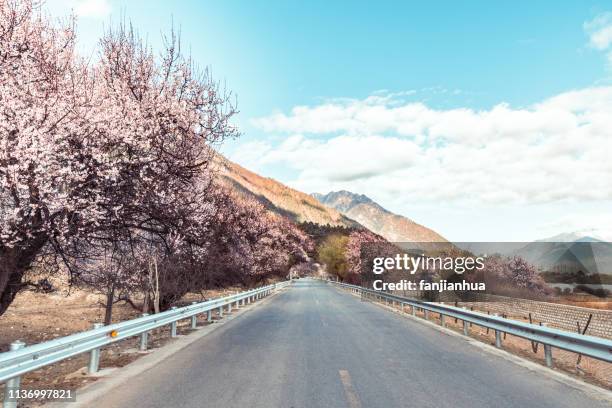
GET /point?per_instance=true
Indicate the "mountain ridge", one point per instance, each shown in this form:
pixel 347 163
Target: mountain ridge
pixel 277 197
pixel 365 211
pixel 576 236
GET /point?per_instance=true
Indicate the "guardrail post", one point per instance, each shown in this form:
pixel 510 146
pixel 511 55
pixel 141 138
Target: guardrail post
pixel 426 314
pixel 209 316
pixel 194 319
pixel 442 322
pixel 144 337
pixel 465 325
pixel 173 325
pixel 498 339
pixel 94 355
pixel 548 355
pixel 229 307
pixel 13 383
pixel 413 309
pixel 548 352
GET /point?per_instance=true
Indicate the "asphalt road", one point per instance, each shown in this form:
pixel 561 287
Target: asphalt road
pixel 315 346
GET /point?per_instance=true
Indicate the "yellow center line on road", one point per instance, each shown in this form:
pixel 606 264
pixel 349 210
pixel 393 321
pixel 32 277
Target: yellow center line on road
pixel 349 391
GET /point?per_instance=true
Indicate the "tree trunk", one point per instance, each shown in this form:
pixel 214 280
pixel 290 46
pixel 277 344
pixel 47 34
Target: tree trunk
pixel 146 302
pixel 156 293
pixel 108 312
pixel 10 285
pixel 14 262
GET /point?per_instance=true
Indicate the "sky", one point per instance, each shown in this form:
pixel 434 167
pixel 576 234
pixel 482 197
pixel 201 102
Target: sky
pixel 486 121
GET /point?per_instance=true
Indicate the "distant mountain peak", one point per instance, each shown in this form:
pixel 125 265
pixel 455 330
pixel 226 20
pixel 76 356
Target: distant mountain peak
pixel 576 236
pixel 343 200
pixel 365 211
pixel 337 208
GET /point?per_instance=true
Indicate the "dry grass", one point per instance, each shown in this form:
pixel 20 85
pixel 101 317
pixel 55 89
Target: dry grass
pixel 589 301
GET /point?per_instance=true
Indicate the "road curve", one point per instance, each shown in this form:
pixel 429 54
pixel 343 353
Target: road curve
pixel 315 346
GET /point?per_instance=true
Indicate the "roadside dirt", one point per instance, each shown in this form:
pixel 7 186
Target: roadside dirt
pixel 589 301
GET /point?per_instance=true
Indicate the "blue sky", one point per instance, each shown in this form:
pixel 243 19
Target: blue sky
pixel 317 79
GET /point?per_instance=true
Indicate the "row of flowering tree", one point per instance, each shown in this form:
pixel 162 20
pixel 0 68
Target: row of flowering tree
pixel 349 256
pixel 104 168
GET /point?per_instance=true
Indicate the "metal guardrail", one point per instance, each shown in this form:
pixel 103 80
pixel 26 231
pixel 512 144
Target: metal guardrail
pixel 596 347
pixel 22 359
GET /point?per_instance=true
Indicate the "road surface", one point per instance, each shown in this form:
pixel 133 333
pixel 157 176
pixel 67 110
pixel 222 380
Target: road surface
pixel 315 346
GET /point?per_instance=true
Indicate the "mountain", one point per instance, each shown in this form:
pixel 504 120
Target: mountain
pixel 277 197
pixel 393 227
pixel 569 253
pixel 571 237
pixel 531 251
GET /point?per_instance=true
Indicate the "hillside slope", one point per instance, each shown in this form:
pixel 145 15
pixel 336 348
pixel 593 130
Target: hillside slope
pixel 276 196
pixel 393 227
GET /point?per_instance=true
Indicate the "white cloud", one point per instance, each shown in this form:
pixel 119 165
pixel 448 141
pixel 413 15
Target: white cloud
pixel 92 8
pixel 594 225
pixel 600 31
pixel 556 150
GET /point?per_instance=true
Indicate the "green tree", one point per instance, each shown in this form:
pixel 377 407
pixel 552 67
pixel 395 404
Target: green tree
pixel 332 253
